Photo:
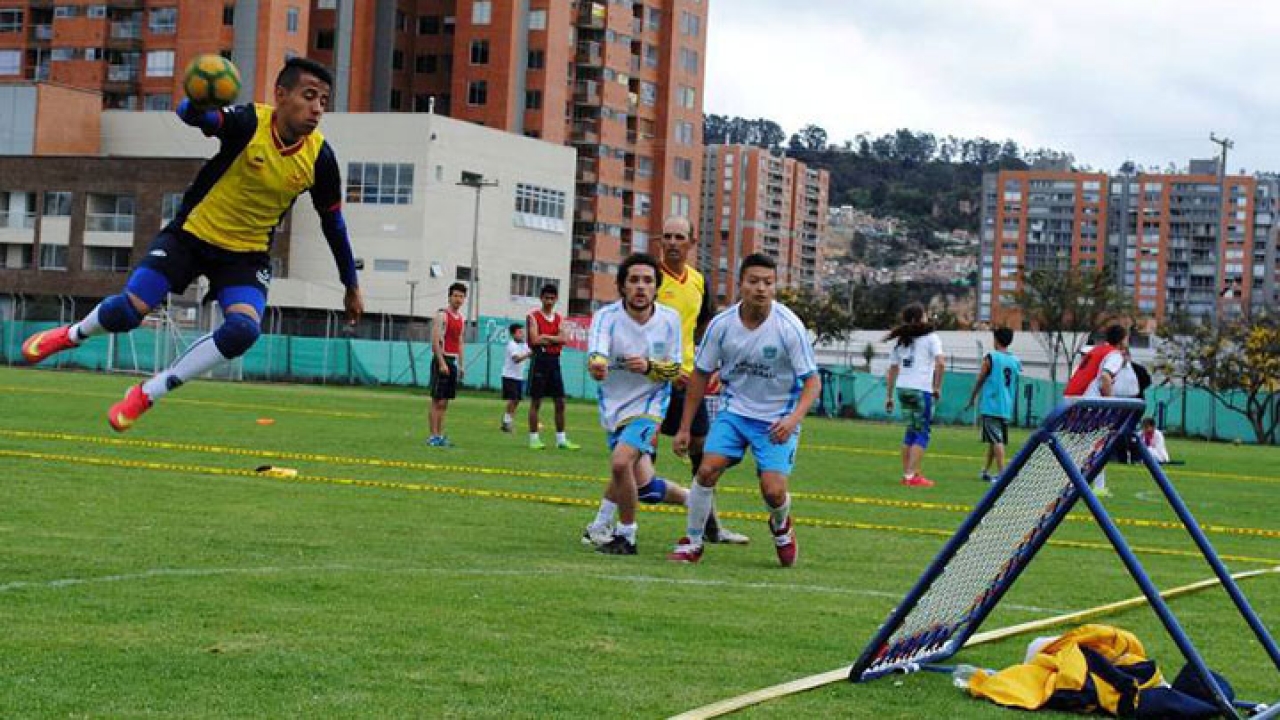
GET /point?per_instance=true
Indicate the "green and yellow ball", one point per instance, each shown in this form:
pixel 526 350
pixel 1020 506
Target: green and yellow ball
pixel 211 81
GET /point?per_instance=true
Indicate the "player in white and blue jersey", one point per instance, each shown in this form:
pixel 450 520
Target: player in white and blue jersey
pixel 634 355
pixel 769 380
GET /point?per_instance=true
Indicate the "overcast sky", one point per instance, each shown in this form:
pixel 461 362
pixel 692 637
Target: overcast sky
pixel 1107 80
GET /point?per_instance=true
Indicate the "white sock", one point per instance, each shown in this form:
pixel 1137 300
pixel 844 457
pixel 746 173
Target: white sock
pixel 562 438
pixel 200 358
pixel 701 500
pixel 778 515
pixel 1100 482
pixel 533 436
pixel 506 419
pixel 87 327
pixel 627 531
pixel 604 515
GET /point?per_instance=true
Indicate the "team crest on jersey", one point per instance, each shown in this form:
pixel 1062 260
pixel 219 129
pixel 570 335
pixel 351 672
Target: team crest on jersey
pixel 264 276
pixel 297 182
pixel 660 348
pixel 770 352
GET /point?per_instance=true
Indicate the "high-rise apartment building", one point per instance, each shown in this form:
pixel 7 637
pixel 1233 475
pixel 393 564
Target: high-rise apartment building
pixel 620 80
pixel 134 51
pixel 756 201
pixel 1175 243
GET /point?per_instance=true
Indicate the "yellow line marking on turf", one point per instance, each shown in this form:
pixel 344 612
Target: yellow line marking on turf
pixel 549 475
pixel 1170 471
pixel 204 403
pixel 553 500
pixel 731 705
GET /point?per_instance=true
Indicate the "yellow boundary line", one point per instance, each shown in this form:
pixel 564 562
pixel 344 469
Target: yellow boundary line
pixel 555 500
pixel 1266 479
pixel 521 473
pixel 731 705
pixel 256 408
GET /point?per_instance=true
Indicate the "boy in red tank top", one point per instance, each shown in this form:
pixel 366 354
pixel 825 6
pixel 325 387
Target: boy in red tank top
pixel 546 340
pixel 446 362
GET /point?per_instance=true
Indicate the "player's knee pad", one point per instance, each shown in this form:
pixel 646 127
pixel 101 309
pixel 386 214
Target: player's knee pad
pixel 148 285
pixel 238 333
pixel 653 493
pixel 117 314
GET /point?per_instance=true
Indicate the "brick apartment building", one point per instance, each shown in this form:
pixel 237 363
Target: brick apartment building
pixel 755 201
pixel 619 80
pixel 134 51
pixel 1173 243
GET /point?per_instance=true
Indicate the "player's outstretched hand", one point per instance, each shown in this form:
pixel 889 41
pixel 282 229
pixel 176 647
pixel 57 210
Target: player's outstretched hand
pixel 780 431
pixel 353 303
pixel 680 443
pixel 636 364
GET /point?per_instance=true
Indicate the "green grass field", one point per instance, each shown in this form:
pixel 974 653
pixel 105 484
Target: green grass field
pixel 153 574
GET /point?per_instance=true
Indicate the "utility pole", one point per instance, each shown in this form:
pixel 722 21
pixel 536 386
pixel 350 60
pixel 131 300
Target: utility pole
pixel 477 182
pixel 1224 144
pixel 408 326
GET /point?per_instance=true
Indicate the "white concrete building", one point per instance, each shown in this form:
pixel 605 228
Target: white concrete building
pixel 408 218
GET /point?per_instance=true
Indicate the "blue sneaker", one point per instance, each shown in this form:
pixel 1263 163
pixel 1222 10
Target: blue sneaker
pixel 435 441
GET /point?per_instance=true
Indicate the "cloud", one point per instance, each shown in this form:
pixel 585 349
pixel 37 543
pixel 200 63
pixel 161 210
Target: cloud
pixel 1146 80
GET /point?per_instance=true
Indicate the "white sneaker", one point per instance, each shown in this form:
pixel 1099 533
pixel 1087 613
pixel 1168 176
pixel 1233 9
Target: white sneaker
pixel 728 537
pixel 597 535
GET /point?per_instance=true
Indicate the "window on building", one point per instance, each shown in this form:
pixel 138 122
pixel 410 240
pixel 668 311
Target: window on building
pixel 10 21
pixel 160 63
pixel 683 168
pixel 462 273
pixel 644 166
pixel 106 259
pixel 481 12
pixel 679 205
pixel 397 59
pixel 53 257
pixel 170 204
pixel 690 24
pixel 10 62
pixel 533 100
pixel 425 64
pixel 648 93
pixel 429 25
pixel 644 204
pixel 109 213
pixel 228 15
pixel 654 18
pixel 66 11
pixel 540 208
pixel 163 21
pixel 390 265
pixel 57 204
pixel 687 97
pixel 479 52
pixel 684 134
pixel 380 183
pixel 651 55
pixel 477 92
pixel 158 101
pixel 689 59
pixel 396 99
pixel 291 19
pixel 324 40
pixel 528 286
pixel 60 54
pixel 537 59
pixel 537 19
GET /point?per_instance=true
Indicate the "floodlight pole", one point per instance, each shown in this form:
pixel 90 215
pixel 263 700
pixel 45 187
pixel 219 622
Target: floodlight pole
pixel 1220 255
pixel 477 182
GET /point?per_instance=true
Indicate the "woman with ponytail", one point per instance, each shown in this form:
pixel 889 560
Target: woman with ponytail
pixel 915 372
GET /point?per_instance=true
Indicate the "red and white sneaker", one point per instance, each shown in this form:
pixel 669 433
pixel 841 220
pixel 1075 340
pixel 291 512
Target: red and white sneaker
pixel 917 480
pixel 47 342
pixel 685 552
pixel 784 541
pixel 125 413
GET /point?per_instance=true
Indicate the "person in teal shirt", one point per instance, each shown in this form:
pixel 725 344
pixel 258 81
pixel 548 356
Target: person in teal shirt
pixel 998 385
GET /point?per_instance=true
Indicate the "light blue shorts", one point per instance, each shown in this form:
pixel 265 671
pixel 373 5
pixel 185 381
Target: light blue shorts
pixel 640 433
pixel 731 435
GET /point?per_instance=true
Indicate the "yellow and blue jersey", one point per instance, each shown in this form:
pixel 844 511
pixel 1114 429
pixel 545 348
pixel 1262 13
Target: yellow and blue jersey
pixel 241 194
pixel 689 297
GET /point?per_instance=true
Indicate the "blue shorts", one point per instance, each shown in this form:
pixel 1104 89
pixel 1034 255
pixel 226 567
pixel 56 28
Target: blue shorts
pixel 731 435
pixel 640 433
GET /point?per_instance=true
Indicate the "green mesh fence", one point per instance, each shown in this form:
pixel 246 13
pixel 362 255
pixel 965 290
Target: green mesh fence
pixel 846 393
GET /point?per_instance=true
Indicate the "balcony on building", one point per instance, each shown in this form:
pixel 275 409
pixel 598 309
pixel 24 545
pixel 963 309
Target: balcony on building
pixel 592 16
pixel 588 169
pixel 590 53
pixel 586 92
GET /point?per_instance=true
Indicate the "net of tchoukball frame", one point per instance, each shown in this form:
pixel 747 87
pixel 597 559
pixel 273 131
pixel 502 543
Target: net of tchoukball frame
pixel 1012 522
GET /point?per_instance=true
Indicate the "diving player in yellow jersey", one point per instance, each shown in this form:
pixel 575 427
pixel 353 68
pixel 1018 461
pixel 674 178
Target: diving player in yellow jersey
pixel 268 157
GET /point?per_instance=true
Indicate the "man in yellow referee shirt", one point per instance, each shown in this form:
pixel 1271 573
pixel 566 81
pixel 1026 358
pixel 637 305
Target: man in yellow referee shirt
pixel 684 289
